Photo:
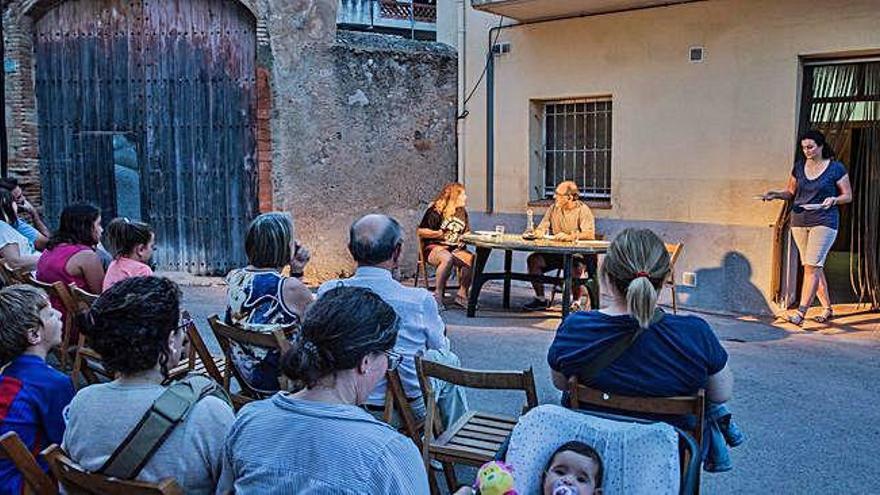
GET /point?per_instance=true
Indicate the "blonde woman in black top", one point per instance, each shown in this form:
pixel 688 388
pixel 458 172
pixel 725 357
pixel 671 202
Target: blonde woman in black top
pixel 441 228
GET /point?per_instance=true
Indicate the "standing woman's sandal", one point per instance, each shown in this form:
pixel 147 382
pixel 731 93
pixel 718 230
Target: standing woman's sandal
pixel 798 317
pixel 826 316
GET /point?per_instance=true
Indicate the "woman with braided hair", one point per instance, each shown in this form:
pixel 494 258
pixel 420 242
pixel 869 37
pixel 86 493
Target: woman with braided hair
pixel 319 440
pixel 135 326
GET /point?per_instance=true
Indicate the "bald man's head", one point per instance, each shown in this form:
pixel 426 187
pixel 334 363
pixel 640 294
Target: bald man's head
pixel 373 239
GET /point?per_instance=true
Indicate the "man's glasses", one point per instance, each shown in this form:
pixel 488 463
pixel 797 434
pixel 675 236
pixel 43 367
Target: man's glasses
pixel 394 360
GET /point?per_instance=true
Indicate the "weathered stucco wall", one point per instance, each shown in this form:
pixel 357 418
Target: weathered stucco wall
pixel 361 123
pixel 347 123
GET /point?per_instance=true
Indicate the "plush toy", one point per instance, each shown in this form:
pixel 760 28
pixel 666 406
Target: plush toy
pixel 495 478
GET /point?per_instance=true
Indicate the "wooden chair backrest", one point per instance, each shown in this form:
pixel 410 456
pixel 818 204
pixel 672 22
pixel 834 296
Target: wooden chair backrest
pixel 198 349
pixel 682 405
pixel 77 481
pixel 10 275
pixel 494 380
pixel 674 250
pixel 396 400
pixel 227 334
pixel 36 481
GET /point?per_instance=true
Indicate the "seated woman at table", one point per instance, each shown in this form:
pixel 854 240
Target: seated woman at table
pixel 673 355
pixel 568 219
pixel 261 297
pixel 441 228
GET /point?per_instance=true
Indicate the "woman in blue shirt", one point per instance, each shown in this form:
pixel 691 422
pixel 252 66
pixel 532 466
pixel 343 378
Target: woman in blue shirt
pixel 817 185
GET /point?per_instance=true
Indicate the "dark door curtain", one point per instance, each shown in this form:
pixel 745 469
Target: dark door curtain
pixel 843 101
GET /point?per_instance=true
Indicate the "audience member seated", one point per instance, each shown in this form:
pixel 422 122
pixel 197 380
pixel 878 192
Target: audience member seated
pixel 319 440
pixel 441 228
pixel 131 244
pixel 70 255
pixel 32 394
pixel 38 233
pixel 673 354
pixel 136 328
pixel 261 298
pixel 15 249
pixel 375 243
pixel 568 219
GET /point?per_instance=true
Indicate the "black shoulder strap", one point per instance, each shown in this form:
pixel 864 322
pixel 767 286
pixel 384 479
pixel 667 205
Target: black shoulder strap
pixel 616 350
pixel 166 412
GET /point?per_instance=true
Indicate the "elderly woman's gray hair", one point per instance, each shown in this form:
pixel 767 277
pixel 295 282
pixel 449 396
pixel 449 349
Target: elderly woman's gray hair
pixel 268 240
pixel 373 239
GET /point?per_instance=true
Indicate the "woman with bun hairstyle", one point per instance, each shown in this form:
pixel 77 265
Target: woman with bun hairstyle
pixel 672 355
pixel 327 442
pixel 131 244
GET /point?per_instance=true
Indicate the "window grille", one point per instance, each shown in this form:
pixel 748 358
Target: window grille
pixel 577 146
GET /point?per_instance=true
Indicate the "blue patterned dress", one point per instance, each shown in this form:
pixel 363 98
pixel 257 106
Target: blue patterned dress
pixel 255 302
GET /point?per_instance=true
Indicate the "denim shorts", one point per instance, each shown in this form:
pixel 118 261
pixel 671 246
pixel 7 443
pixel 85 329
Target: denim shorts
pixel 813 243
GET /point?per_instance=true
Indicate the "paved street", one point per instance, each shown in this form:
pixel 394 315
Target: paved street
pixel 806 399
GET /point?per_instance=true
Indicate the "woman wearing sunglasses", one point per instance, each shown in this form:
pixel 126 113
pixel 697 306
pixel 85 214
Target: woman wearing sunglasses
pixel 327 442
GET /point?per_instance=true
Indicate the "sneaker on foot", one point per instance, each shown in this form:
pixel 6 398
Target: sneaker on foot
pixel 536 305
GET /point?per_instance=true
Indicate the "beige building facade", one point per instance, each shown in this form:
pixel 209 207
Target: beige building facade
pixel 688 111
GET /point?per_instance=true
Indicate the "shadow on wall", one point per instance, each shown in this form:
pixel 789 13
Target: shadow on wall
pixel 728 287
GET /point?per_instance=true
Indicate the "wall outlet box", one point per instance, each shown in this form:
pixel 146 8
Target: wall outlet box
pixel 689 279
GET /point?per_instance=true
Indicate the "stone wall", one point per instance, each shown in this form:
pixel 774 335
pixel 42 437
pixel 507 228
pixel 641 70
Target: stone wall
pixel 347 123
pixel 366 126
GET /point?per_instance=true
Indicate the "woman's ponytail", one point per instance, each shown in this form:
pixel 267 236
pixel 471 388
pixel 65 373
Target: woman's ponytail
pixel 641 300
pixel 636 265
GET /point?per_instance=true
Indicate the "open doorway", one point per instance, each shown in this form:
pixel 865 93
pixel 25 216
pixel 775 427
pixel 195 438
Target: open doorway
pixel 842 99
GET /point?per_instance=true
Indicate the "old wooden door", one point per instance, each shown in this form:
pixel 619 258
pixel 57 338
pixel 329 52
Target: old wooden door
pixel 147 108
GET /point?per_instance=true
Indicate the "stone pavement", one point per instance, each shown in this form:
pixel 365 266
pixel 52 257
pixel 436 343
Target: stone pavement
pixel 807 399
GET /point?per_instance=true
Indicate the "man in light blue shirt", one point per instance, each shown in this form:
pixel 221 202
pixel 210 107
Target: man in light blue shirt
pixel 375 243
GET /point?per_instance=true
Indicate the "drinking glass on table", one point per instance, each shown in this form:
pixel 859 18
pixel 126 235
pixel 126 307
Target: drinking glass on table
pixel 499 231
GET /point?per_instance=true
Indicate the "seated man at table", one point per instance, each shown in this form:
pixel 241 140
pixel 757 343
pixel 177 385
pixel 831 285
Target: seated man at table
pixel 375 243
pixel 568 219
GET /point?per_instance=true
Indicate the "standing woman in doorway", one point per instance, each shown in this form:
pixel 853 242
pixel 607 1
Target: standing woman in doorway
pixel 817 185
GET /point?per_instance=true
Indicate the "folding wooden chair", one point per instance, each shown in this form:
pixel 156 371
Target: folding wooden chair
pixel 86 362
pixel 77 481
pixel 36 481
pixel 59 292
pixel 477 436
pixel 199 359
pixel 674 251
pixel 694 405
pixel 10 276
pixel 397 401
pixel 229 335
pixel 422 268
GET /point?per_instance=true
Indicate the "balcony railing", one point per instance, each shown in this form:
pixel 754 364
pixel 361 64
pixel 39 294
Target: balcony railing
pixel 396 15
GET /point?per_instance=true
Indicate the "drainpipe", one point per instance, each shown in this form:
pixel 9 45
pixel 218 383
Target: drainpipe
pixel 462 88
pixel 490 86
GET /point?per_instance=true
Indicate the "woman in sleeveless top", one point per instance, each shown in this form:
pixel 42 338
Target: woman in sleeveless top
pixel 70 255
pixel 441 228
pixel 261 298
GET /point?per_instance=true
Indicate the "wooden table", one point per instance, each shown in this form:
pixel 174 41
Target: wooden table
pixel 513 242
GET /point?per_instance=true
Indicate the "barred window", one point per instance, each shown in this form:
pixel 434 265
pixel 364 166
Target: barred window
pixel 577 146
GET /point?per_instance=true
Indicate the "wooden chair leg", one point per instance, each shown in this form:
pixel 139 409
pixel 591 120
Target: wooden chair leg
pixel 432 482
pixel 449 474
pixel 674 301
